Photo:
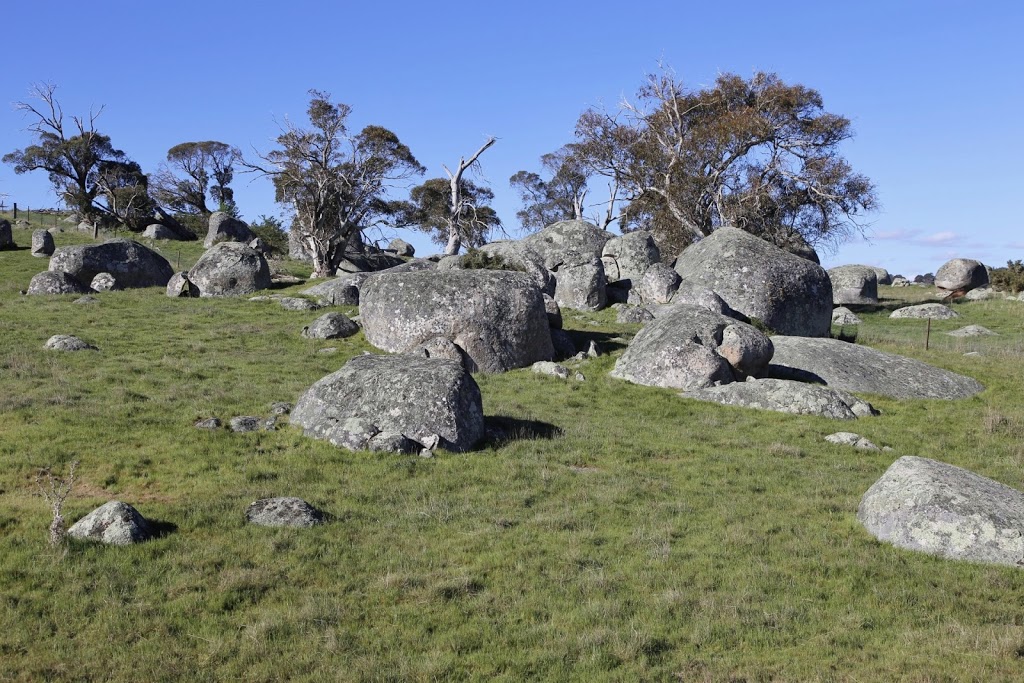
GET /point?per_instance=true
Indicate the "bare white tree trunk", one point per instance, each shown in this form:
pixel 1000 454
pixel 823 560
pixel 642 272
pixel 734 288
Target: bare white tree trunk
pixel 456 206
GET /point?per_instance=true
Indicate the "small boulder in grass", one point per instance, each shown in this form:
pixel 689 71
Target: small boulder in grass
pixel 67 342
pixel 284 512
pixel 330 326
pixel 114 523
pixel 208 423
pixel 245 423
pixel 851 439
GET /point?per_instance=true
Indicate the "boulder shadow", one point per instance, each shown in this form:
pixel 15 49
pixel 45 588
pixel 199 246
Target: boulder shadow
pixel 607 342
pixel 159 528
pixel 776 371
pixel 502 430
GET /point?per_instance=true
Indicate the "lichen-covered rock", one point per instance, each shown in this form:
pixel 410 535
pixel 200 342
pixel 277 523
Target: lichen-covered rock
pixel 225 228
pixel 158 231
pixel 961 274
pixel 520 256
pixel 105 282
pixel 882 275
pixel 439 347
pixel 230 269
pixel 851 439
pixel 784 396
pixel 114 523
pixel 581 286
pixel 657 285
pixel 50 282
pixel 844 316
pixel 297 303
pixel 426 399
pixel 330 326
pixel 939 509
pixel 42 243
pixel 243 424
pixel 972 331
pixel 853 367
pixel 629 256
pixel 283 512
pixel 922 311
pixel 854 285
pixel 132 264
pixel 691 347
pixel 339 291
pixel 568 243
pixel 789 294
pixel 401 248
pixel 981 293
pixel 705 298
pixel 179 286
pixel 67 342
pixel 633 315
pixel 496 317
pixel 546 367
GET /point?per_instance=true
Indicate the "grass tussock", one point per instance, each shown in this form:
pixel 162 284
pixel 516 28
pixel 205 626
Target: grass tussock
pixel 613 532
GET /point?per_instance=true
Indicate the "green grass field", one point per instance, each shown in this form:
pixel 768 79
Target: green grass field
pixel 621 534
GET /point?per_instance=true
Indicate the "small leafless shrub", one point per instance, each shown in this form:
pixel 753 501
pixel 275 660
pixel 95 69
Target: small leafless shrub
pixel 55 490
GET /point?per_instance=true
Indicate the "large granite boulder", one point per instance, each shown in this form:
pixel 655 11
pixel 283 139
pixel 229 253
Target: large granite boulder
pixel 629 256
pixel 844 316
pixel 6 236
pixel 225 228
pixel 786 396
pixel 159 231
pixel 180 287
pixel 657 285
pixel 581 286
pixel 689 347
pixel 49 282
pixel 519 256
pixel 230 269
pixel 882 275
pixel 961 274
pixel 939 509
pixel 789 294
pixel 131 264
pixel 568 243
pixel 852 367
pixel 401 248
pixel 922 311
pixel 330 326
pixel 114 523
pixel 42 243
pixel 428 400
pixel 854 285
pixel 795 243
pixel 496 317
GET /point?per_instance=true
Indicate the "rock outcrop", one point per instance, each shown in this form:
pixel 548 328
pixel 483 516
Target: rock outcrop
pixel 132 264
pixel 785 396
pixel 961 274
pixel 225 228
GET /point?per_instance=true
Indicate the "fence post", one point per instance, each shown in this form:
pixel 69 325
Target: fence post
pixel 928 334
pixel 15 210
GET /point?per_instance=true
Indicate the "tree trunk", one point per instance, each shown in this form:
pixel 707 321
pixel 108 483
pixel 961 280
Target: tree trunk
pixel 454 243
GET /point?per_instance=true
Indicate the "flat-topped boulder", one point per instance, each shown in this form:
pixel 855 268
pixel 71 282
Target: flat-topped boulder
pixel 961 274
pixel 131 264
pixel 786 396
pixel 689 347
pixel 568 243
pixel 853 367
pixel 854 285
pixel 230 269
pixel 496 317
pixel 922 311
pixel 940 509
pixel 520 256
pixel 789 294
pixel 431 401
pixel 283 512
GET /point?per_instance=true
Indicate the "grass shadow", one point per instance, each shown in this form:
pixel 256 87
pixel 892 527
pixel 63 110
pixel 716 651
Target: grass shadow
pixel 502 430
pixel 159 528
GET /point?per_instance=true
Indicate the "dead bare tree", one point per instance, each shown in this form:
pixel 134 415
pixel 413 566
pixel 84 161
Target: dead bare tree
pixel 458 210
pixel 55 490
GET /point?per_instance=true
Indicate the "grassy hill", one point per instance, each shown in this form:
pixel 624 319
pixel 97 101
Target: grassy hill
pixel 620 533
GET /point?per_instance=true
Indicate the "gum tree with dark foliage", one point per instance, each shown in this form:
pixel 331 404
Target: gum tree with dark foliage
pixel 195 171
pixel 430 210
pixel 335 181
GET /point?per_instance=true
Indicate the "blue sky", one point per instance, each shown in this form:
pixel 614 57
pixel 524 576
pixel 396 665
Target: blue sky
pixel 935 90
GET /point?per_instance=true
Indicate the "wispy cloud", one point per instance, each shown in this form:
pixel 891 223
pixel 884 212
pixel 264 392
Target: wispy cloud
pixel 944 237
pixel 898 235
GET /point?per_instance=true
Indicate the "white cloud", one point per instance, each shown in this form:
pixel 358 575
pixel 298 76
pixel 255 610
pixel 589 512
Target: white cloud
pixel 944 237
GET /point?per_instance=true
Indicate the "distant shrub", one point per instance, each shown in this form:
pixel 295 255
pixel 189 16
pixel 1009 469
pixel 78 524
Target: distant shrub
pixel 271 231
pixel 474 259
pixel 1010 278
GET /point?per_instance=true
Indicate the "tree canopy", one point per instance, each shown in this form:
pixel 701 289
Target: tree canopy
pixel 335 181
pixel 194 172
pixel 430 210
pixel 755 153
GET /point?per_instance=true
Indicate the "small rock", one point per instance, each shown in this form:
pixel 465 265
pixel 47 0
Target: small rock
pixel 579 377
pixel 330 326
pixel 592 350
pixel 104 282
pixel 67 342
pixel 280 408
pixel 294 303
pixel 844 316
pixel 87 299
pixel 283 512
pixel 208 423
pixel 545 367
pixel 933 311
pixel 633 315
pixel 851 439
pixel 972 331
pixel 244 423
pixel 114 523
pixel 329 349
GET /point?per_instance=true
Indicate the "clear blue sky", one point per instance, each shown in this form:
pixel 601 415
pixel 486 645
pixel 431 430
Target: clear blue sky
pixel 935 89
